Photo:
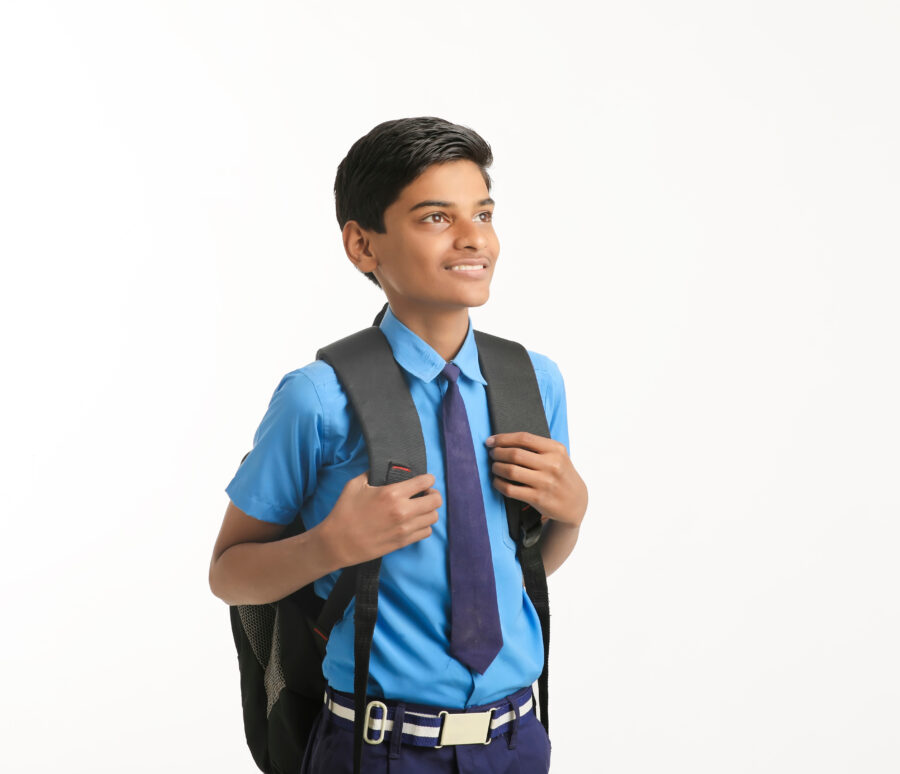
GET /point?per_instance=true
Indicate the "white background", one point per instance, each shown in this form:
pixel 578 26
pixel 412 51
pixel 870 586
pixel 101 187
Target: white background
pixel 697 206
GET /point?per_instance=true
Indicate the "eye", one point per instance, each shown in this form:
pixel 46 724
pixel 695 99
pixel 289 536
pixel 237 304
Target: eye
pixel 427 218
pixel 489 218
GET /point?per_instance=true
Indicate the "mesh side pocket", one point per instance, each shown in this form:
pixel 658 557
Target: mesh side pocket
pixel 259 623
pixel 273 678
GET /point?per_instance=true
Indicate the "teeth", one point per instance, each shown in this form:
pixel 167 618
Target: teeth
pixel 465 268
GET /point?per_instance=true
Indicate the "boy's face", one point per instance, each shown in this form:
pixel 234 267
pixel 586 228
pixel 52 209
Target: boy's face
pixel 441 218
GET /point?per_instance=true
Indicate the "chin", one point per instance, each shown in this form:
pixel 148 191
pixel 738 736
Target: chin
pixel 481 300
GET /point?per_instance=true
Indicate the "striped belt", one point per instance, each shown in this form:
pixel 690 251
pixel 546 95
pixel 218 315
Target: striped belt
pixel 425 729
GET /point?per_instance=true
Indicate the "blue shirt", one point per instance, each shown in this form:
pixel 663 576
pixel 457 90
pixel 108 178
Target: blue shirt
pixel 310 443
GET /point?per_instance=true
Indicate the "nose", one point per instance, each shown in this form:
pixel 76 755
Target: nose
pixel 470 234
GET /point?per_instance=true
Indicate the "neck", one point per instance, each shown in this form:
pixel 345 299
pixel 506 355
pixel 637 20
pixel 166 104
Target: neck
pixel 444 331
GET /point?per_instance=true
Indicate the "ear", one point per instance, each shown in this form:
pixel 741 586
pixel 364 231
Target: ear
pixel 358 247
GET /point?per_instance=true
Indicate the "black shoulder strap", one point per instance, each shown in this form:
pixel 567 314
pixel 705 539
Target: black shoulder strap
pixel 377 391
pixel 515 405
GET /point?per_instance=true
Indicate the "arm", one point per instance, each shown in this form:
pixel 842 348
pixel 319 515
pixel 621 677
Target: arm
pixel 252 561
pixel 557 543
pixel 251 566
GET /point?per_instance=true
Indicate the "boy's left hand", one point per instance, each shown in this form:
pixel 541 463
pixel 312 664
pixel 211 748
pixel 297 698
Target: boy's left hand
pixel 540 473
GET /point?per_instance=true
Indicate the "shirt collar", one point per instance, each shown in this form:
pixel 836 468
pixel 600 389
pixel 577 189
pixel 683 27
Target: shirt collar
pixel 418 357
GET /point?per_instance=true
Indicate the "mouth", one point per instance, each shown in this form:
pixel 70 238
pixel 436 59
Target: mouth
pixel 472 268
pixel 468 272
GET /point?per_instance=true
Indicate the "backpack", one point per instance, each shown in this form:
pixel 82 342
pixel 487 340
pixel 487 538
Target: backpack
pixel 281 645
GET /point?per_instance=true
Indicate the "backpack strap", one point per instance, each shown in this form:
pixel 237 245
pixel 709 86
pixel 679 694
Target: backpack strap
pixel 334 607
pixel 377 391
pixel 515 405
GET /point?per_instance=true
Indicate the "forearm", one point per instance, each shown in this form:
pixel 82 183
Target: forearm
pixel 258 573
pixel 557 543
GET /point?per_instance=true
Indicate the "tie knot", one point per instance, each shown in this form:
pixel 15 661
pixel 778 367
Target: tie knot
pixel 451 371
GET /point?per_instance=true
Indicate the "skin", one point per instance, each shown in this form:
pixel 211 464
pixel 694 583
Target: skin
pixel 410 261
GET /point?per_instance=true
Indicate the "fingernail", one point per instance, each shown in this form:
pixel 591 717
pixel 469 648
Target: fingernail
pixel 490 441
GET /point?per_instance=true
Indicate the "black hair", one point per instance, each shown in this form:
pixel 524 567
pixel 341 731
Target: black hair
pixel 383 162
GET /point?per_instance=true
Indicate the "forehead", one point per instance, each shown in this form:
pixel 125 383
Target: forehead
pixel 459 181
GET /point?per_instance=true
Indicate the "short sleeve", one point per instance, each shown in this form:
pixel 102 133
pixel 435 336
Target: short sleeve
pixel 553 394
pixel 280 470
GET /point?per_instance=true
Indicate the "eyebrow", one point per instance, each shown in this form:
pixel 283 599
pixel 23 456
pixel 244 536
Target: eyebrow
pixel 436 203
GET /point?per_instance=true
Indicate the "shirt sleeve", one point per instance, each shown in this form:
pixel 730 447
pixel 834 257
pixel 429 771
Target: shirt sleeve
pixel 553 394
pixel 280 470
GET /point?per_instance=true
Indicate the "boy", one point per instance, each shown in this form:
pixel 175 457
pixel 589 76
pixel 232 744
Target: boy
pixel 413 201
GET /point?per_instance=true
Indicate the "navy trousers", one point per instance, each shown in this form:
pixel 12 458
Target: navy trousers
pixel 523 750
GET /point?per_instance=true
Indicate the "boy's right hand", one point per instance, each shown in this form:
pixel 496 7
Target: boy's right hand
pixel 370 521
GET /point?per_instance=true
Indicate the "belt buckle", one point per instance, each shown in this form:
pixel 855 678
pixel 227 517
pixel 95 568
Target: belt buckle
pixel 465 728
pixel 368 716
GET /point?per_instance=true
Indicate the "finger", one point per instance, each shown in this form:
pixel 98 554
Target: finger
pixel 518 456
pixel 430 501
pixel 423 520
pixel 515 491
pixel 412 530
pixel 412 486
pixel 525 440
pixel 421 534
pixel 516 474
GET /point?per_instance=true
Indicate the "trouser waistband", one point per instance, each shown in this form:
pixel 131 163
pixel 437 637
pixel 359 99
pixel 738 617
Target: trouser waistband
pixel 437 728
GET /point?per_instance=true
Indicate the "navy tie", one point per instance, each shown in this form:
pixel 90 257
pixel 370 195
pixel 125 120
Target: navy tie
pixel 475 636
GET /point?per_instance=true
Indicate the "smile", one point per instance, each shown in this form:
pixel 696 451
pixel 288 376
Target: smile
pixel 468 273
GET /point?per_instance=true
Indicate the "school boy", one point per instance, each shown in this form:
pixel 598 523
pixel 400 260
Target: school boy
pixel 413 202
